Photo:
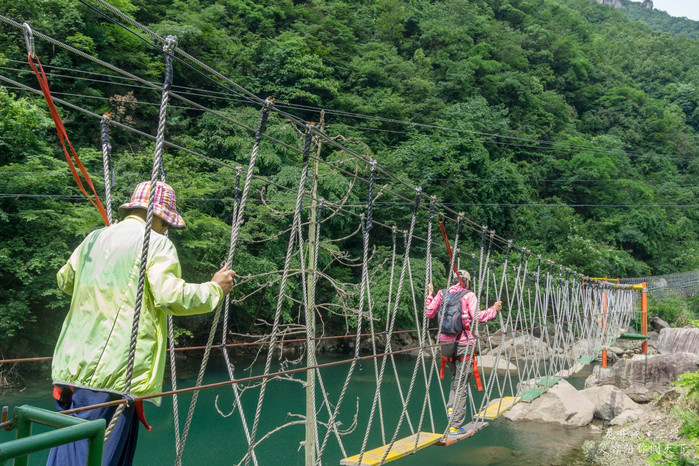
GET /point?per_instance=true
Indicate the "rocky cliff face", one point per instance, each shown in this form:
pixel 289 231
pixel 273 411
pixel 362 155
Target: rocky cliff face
pixel 614 3
pixel 648 4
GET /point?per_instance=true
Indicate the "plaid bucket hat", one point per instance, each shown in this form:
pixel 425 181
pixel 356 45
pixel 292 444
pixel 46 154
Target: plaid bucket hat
pixel 164 205
pixel 464 275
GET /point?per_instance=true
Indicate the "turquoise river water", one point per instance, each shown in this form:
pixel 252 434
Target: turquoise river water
pixel 217 440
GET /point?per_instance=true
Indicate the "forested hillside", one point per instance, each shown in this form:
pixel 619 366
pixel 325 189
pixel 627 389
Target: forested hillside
pixel 660 20
pixel 559 123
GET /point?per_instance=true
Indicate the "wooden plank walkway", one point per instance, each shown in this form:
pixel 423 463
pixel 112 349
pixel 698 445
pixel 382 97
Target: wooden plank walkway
pixel 548 381
pixel 402 447
pixel 532 394
pixel 587 359
pixel 497 407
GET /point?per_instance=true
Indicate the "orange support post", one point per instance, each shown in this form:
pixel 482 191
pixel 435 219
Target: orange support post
pixel 604 314
pixel 644 317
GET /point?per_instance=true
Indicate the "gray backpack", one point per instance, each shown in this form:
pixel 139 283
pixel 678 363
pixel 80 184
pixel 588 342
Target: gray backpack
pixel 452 324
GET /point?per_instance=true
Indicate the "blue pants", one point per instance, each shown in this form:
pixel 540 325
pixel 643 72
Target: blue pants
pixel 121 446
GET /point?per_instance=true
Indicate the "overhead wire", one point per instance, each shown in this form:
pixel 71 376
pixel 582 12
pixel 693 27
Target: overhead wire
pixel 241 90
pixel 380 203
pixel 378 180
pixel 535 144
pixel 327 203
pixel 470 223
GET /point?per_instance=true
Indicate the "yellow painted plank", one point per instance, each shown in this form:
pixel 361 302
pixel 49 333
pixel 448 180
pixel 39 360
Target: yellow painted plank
pixel 401 448
pixel 497 407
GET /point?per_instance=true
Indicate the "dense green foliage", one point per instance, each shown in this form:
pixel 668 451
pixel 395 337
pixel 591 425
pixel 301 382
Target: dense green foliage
pixel 558 102
pixel 660 20
pixel 675 309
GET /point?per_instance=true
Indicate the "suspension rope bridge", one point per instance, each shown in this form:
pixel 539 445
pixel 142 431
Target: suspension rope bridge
pixel 553 321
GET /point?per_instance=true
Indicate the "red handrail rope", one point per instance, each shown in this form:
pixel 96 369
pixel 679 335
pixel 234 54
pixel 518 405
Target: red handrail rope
pixel 261 343
pixel 63 136
pixel 446 242
pixel 5 425
pixel 228 345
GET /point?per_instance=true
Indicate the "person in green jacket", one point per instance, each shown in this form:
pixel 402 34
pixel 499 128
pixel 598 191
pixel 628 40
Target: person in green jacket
pixel 90 360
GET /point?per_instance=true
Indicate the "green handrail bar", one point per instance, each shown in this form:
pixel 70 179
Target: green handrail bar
pixel 68 429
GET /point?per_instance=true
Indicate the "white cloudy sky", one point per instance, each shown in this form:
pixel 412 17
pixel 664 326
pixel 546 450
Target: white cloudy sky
pixel 688 8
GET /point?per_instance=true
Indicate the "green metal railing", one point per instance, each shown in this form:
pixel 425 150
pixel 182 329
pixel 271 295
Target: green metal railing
pixel 67 430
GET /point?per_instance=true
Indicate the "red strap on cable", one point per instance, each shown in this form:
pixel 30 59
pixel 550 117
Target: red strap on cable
pixel 63 136
pixel 446 242
pixel 441 370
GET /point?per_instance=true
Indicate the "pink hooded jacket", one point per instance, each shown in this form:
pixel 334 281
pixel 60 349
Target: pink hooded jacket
pixel 469 304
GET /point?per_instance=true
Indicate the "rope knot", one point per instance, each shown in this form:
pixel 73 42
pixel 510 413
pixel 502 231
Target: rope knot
pixel 129 399
pixel 170 44
pixel 359 363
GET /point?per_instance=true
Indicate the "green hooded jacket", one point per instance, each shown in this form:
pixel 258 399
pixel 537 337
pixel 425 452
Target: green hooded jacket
pixel 102 276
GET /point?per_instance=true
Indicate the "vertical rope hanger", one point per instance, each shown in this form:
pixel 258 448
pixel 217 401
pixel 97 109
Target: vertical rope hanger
pixel 264 114
pixel 363 295
pixel 157 161
pixel 306 304
pixel 230 368
pixel 167 85
pixel 426 403
pixel 296 225
pixel 369 225
pixel 419 313
pixel 357 340
pixel 493 375
pixel 401 280
pixel 326 402
pixel 107 164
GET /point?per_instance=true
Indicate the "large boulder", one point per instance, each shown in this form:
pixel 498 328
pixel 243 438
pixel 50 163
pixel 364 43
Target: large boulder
pixel 487 362
pixel 653 339
pixel 658 324
pixel 526 347
pixel 601 376
pixel 643 378
pixel 609 401
pixel 627 416
pixel 540 331
pixel 581 348
pixel 562 405
pixel 629 346
pixel 679 340
pixel 492 340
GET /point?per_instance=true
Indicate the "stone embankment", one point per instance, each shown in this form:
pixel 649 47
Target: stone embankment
pixel 627 397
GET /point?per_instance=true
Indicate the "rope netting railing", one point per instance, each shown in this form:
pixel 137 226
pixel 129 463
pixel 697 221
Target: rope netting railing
pixel 661 286
pixel 553 320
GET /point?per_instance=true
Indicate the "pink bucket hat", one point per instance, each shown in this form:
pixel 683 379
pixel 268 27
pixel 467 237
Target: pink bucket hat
pixel 164 205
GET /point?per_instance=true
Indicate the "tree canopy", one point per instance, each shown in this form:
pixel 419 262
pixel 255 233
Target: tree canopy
pixel 562 124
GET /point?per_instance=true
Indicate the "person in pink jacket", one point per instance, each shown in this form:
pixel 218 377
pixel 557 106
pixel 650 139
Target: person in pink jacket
pixel 450 301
